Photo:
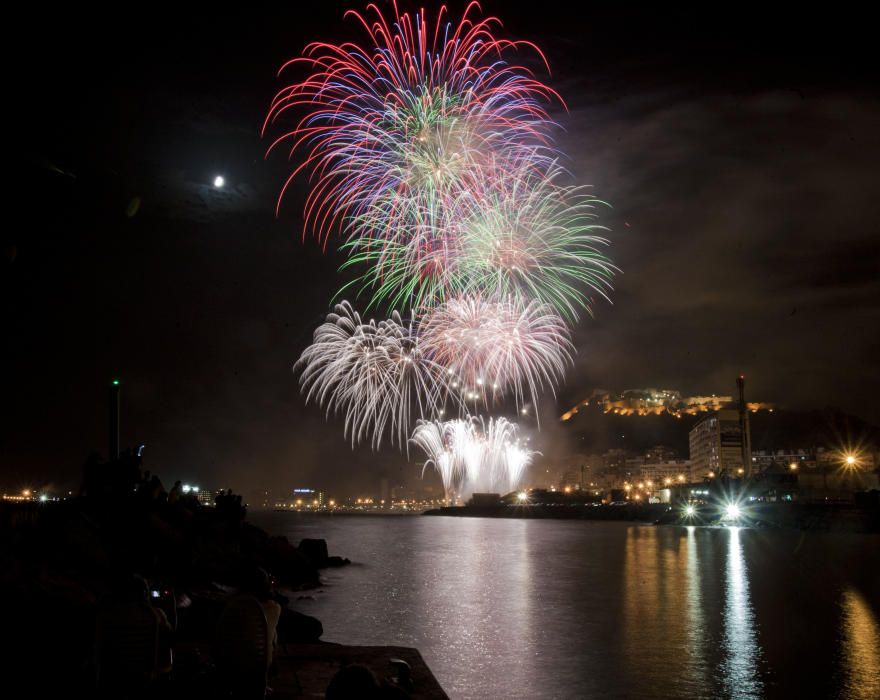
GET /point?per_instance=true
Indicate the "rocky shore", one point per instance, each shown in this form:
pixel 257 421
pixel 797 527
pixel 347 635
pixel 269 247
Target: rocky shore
pixel 59 561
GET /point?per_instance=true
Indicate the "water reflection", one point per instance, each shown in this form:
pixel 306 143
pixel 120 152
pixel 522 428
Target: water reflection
pixel 664 631
pixel 740 673
pixel 696 631
pixel 565 609
pixel 484 619
pixel 860 635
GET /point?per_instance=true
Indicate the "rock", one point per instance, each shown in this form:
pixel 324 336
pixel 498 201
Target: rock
pixel 297 628
pixel 337 561
pixel 290 566
pixel 315 551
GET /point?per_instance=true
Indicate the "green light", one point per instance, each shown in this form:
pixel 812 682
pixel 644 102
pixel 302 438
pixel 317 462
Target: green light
pixel 115 382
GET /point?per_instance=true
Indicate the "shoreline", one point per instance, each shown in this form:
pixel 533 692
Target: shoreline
pixel 818 517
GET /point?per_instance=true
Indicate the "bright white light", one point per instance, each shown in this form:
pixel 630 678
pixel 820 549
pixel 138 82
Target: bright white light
pixel 219 181
pixel 732 511
pixel 186 488
pixel 689 511
pixel 44 498
pixel 522 496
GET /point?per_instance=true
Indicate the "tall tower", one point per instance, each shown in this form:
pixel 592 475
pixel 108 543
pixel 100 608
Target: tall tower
pixel 113 449
pixel 745 433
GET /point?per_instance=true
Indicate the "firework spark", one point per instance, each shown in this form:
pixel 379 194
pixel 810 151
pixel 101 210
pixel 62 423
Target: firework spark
pixel 472 455
pixel 374 374
pixel 431 151
pixel 530 238
pixel 395 126
pixel 492 348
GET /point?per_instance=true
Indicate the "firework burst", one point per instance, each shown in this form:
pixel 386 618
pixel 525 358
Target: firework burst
pixel 374 374
pixel 473 455
pixel 430 150
pixel 394 127
pixel 491 348
pixel 530 238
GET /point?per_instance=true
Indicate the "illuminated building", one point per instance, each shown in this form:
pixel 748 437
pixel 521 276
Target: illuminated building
pixel 717 445
pixel 311 497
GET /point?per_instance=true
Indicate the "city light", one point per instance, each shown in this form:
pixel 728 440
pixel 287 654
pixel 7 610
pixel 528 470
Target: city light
pixel 732 512
pixel 522 497
pixel 850 460
pixel 689 511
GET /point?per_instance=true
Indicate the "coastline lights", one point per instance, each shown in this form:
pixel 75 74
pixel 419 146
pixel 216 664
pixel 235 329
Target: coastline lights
pixel 732 512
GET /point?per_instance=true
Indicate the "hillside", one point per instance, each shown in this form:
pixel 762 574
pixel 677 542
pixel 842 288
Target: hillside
pixel 593 430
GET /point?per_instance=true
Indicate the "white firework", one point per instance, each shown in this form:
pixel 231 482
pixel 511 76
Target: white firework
pixel 491 348
pixel 374 374
pixel 473 455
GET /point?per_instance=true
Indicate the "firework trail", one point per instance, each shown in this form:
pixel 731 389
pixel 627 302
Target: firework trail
pixel 491 348
pixel 530 238
pixel 431 151
pixel 472 455
pixel 374 374
pixel 393 127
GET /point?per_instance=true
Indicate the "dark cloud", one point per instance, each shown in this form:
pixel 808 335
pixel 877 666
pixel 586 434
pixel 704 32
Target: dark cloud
pixel 747 230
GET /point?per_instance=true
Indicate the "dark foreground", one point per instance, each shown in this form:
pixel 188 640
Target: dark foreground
pixel 66 575
pixel 305 670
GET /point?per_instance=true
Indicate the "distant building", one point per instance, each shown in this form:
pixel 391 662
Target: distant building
pixel 716 444
pixel 308 496
pixel 794 459
pixel 667 472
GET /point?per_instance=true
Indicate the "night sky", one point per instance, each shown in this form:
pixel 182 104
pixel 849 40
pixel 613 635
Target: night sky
pixel 739 152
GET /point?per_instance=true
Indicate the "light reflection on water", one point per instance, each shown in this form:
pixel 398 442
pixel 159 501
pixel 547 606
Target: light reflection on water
pixel 569 609
pixel 860 648
pixel 740 667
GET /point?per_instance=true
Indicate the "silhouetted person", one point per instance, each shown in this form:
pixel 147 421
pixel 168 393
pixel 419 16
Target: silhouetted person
pixel 143 490
pixel 353 682
pixel 133 638
pixel 174 494
pixel 257 583
pixel 157 491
